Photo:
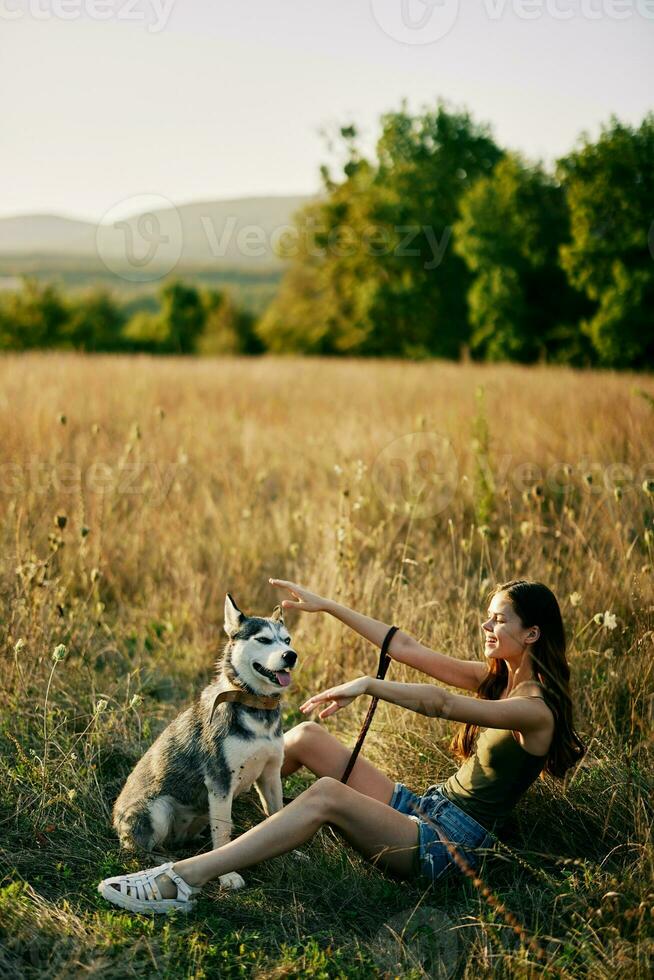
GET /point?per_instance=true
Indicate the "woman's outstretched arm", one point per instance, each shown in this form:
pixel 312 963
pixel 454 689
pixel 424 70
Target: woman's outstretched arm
pixel 404 648
pixel 516 713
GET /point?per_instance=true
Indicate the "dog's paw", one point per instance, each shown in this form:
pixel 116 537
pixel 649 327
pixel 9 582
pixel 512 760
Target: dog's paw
pixel 231 881
pixel 300 856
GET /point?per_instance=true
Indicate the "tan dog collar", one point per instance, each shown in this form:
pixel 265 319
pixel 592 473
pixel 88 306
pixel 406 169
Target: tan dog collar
pixel 242 697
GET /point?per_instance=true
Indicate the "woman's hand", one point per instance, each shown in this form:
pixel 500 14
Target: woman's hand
pixel 339 697
pixel 306 601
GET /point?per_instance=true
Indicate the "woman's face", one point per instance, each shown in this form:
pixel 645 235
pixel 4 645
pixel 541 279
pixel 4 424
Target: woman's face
pixel 504 634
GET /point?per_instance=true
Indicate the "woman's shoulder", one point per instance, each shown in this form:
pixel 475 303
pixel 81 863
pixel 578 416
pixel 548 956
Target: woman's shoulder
pixel 535 690
pixel 530 689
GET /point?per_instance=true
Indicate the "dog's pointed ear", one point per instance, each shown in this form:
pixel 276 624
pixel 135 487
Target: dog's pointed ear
pixel 233 616
pixel 277 615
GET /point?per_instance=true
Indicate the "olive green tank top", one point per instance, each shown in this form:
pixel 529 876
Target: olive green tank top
pixel 491 781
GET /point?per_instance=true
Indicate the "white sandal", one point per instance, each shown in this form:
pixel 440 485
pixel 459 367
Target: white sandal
pixel 139 892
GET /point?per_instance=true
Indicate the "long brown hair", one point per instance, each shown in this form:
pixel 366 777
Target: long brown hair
pixel 536 605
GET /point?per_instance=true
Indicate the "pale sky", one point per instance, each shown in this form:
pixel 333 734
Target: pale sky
pixel 206 99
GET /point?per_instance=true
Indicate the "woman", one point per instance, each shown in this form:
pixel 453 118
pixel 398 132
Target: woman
pixel 522 707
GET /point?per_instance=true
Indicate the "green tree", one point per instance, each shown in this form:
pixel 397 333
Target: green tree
pixel 34 316
pixel 521 307
pixel 227 329
pixel 175 327
pixel 374 271
pixel 147 332
pixel 610 191
pixel 96 322
pixel 183 313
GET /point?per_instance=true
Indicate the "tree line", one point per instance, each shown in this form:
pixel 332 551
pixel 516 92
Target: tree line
pixel 185 320
pixel 439 244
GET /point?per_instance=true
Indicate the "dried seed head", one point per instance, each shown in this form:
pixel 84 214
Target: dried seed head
pixel 62 419
pixel 60 521
pixel 59 652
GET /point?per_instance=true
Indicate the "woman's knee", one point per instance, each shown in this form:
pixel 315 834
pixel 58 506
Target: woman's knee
pixel 326 793
pixel 301 737
pixel 305 730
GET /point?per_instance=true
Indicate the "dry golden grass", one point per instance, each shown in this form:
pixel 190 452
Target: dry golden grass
pixel 180 480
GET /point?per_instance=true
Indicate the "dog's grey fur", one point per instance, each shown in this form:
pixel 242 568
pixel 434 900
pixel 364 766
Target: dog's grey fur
pixel 192 772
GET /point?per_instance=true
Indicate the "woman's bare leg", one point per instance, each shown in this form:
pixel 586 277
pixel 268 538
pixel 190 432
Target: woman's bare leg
pixel 360 810
pixel 376 830
pixel 309 744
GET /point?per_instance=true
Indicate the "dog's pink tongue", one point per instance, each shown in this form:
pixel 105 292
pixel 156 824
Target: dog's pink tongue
pixel 283 677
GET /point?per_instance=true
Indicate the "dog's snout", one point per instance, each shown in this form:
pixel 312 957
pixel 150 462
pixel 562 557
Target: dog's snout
pixel 290 658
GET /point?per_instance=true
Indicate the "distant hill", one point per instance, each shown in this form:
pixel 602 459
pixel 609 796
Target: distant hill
pixel 46 234
pixel 236 233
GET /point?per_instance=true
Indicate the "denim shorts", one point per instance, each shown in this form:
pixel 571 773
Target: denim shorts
pixel 434 859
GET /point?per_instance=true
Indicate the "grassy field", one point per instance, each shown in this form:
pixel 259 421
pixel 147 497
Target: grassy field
pixel 135 493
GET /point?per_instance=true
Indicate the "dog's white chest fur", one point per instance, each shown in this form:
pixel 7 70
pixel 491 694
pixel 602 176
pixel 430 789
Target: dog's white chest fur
pixel 248 759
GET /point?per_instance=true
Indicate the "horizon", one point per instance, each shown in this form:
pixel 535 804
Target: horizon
pixel 133 214
pixel 187 106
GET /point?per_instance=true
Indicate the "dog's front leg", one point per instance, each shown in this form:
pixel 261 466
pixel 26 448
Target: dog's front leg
pixel 220 821
pixel 269 788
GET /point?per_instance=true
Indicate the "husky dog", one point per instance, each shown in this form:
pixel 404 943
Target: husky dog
pixel 230 738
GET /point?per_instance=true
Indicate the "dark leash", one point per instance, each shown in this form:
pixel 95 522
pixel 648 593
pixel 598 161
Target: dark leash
pixel 384 661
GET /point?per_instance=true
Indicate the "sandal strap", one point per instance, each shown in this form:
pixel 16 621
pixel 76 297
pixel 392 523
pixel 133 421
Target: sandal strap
pixel 184 890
